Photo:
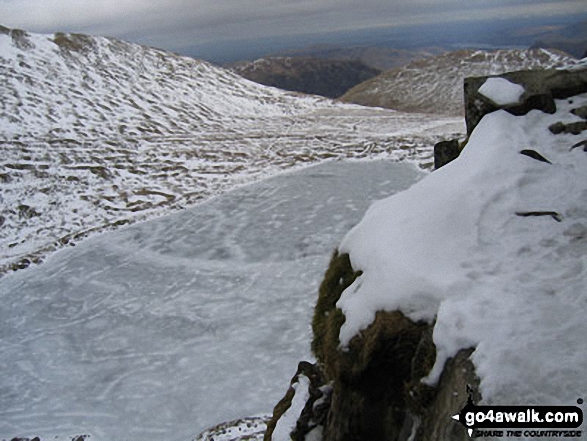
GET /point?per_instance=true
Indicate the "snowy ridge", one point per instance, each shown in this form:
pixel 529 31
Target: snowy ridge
pixel 492 247
pixel 96 133
pixel 74 86
pixel 435 85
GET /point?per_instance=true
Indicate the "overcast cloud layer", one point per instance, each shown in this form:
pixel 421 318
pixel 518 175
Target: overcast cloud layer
pixel 177 24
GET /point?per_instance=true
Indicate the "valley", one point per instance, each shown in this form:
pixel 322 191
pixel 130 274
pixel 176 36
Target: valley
pixel 129 133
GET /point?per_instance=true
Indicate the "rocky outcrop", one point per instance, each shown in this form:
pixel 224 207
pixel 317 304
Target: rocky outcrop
pixel 378 381
pixel 541 88
pixel 376 392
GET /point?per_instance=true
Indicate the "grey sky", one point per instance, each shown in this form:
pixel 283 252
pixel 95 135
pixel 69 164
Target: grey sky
pixel 176 24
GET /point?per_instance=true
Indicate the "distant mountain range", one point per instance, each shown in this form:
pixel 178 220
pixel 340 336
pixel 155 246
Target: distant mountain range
pixel 331 69
pixel 318 76
pixel 435 85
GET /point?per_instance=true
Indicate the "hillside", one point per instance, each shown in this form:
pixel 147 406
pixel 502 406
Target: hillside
pixel 96 133
pixel 435 85
pixel 377 57
pixel 328 78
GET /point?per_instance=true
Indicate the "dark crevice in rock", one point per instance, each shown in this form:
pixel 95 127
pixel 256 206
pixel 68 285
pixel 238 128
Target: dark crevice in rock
pixel 534 155
pixel 556 216
pixel 580 144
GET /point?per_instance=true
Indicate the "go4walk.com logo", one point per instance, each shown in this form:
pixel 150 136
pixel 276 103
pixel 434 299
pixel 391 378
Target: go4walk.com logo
pixel 521 421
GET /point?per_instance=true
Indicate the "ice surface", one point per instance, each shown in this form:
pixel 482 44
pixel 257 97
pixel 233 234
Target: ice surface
pixel 456 247
pixel 168 327
pixel 501 91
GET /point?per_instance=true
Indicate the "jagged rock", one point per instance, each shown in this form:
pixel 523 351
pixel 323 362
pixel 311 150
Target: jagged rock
pixel 376 381
pixel 541 89
pixel 376 389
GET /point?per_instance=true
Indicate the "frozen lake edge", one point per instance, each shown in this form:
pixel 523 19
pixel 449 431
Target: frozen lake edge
pixel 167 327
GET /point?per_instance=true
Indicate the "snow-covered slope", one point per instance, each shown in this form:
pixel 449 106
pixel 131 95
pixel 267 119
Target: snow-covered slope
pixel 435 84
pixel 80 87
pixel 493 248
pixel 96 132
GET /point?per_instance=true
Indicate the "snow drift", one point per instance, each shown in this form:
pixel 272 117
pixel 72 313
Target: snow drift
pixel 492 248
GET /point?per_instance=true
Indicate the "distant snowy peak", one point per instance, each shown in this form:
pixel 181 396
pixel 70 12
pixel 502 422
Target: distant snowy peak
pixel 111 88
pixel 435 85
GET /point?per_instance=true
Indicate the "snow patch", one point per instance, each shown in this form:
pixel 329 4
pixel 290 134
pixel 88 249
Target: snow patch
pixel 502 91
pixel 287 422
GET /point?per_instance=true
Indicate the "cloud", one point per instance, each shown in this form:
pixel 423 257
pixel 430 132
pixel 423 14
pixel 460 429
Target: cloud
pixel 176 23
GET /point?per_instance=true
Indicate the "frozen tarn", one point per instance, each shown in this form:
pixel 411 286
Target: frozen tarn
pixel 168 327
pixel 492 247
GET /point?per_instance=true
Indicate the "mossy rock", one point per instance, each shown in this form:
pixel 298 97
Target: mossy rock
pixel 327 317
pixel 379 369
pixel 375 388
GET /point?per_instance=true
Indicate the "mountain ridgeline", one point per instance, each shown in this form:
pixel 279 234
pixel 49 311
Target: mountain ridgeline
pixel 328 78
pixel 435 85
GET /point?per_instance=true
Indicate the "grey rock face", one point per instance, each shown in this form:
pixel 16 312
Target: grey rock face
pixel 445 151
